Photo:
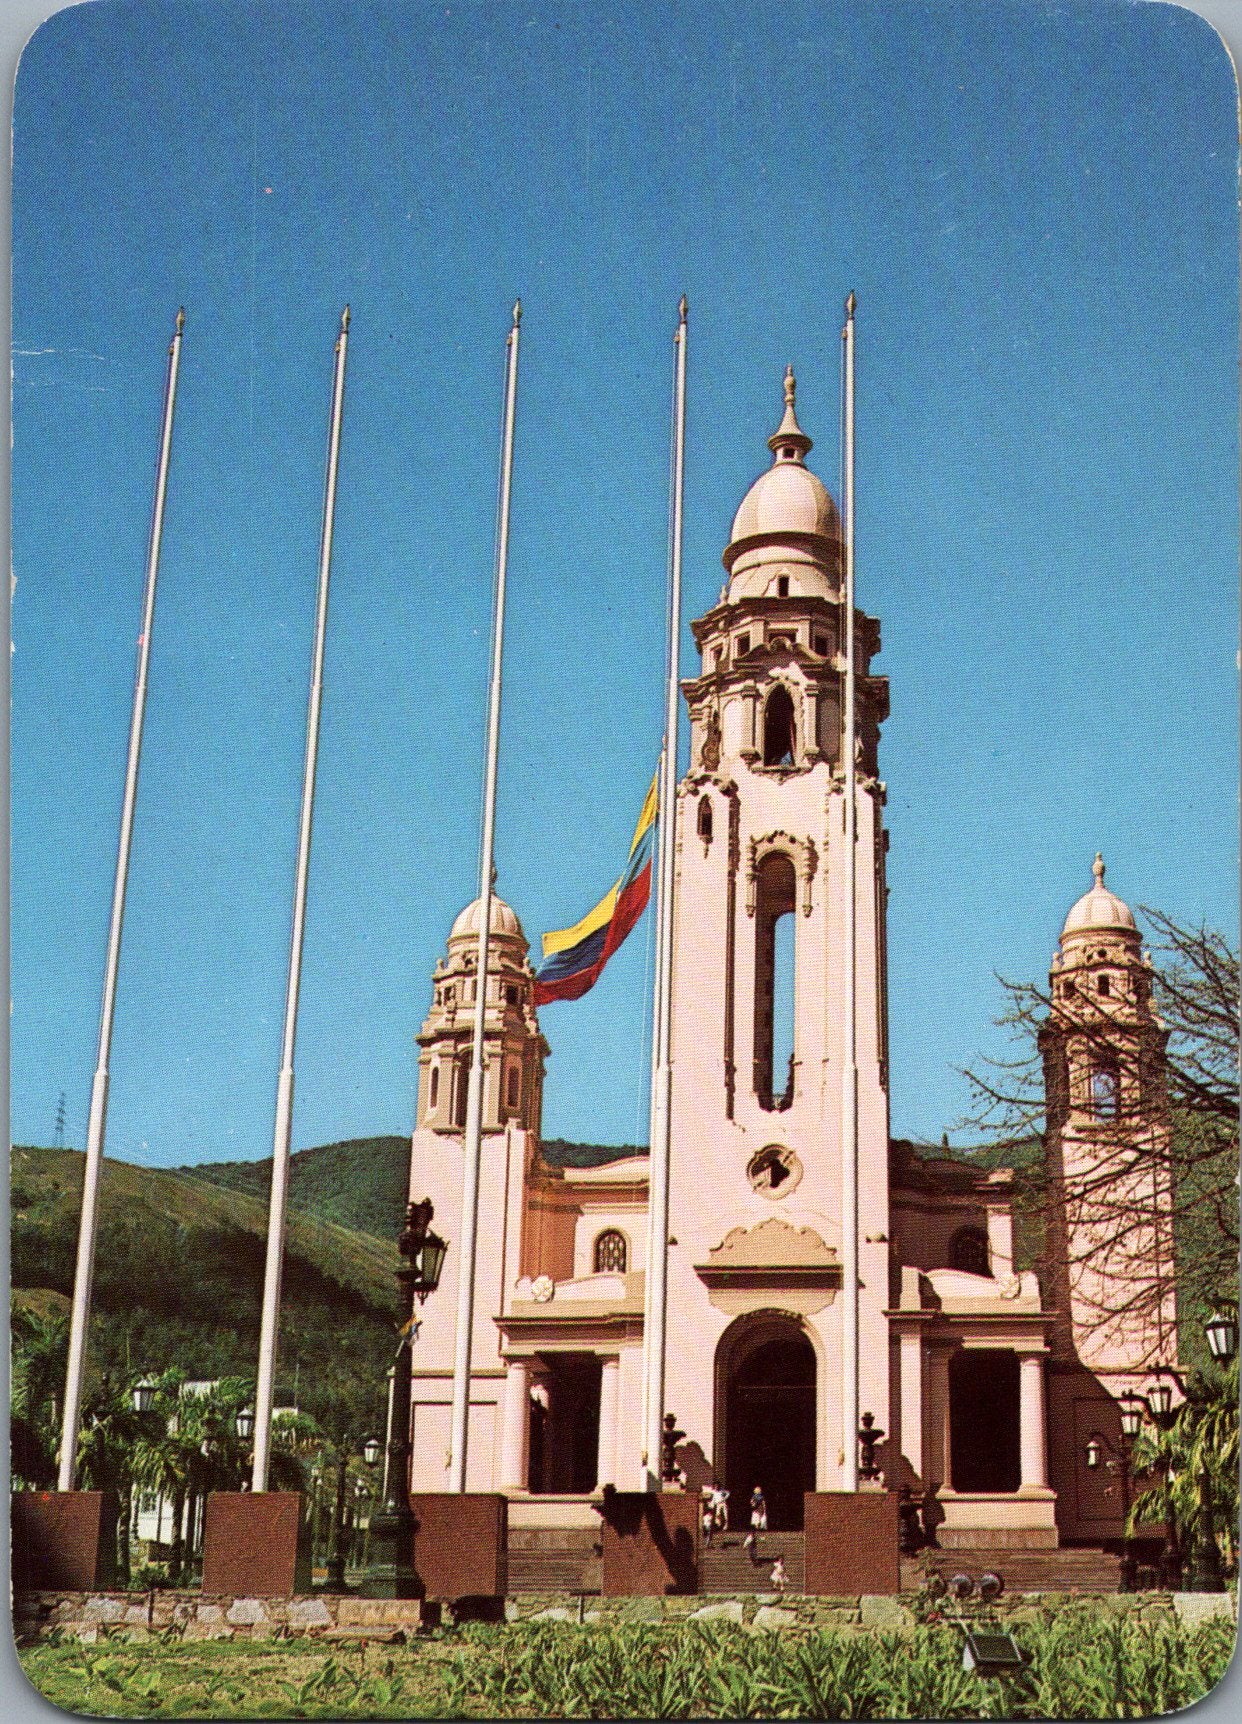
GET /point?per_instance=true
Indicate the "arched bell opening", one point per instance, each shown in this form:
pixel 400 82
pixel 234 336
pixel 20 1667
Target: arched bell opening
pixel 766 1376
pixel 780 731
pixel 775 898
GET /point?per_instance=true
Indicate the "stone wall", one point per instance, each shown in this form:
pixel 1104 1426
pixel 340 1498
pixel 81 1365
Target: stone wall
pixel 197 1616
pixel 190 1615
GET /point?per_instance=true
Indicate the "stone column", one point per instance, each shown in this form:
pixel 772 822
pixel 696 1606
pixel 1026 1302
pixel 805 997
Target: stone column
pixel 912 1442
pixel 1034 1452
pixel 515 1427
pixel 939 1451
pixel 606 1467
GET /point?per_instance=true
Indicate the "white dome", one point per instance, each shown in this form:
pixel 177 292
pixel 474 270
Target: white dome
pixel 503 920
pixel 788 498
pixel 1099 908
pixel 787 515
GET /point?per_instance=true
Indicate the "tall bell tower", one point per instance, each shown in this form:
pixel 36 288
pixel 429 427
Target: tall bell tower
pixel 759 936
pixel 1103 1048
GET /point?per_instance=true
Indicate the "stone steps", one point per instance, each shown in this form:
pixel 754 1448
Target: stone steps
pixel 554 1560
pixel 726 1567
pixel 1021 1570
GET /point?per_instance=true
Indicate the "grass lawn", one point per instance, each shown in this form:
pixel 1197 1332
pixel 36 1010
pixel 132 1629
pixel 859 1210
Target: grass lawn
pixel 1083 1664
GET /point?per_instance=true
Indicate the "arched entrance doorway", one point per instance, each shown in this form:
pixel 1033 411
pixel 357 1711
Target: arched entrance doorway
pixel 766 1387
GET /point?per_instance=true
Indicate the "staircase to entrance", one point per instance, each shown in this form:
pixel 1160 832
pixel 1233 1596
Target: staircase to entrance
pixel 567 1560
pixel 727 1567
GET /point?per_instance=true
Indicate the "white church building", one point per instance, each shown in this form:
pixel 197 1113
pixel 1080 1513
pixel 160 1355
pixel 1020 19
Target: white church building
pixel 986 1379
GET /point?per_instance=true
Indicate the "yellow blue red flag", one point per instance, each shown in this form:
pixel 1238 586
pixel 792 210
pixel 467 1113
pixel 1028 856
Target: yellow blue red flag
pixel 573 958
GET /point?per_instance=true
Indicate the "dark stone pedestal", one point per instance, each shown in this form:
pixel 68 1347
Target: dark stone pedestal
pixel 256 1544
pixel 651 1543
pixel 852 1543
pixel 64 1541
pixel 459 1544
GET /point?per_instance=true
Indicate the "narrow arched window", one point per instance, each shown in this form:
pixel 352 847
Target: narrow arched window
pixel 611 1253
pixel 461 1080
pixel 433 1093
pixel 1105 1091
pixel 968 1250
pixel 705 819
pixel 513 1091
pixel 775 889
pixel 779 735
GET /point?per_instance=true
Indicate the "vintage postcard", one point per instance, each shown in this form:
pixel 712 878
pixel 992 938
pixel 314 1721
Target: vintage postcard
pixel 624 808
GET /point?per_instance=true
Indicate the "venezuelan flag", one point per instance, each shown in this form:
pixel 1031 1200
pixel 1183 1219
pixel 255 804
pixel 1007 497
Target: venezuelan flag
pixel 574 957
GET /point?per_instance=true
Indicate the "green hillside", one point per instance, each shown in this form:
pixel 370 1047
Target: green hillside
pixel 360 1184
pixel 179 1276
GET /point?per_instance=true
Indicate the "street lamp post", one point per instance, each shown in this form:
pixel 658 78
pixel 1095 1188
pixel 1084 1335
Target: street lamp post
pixel 1131 1420
pixel 391 1572
pixel 1206 1574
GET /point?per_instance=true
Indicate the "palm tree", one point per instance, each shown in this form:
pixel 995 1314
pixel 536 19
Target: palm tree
pixel 110 1432
pixel 1191 1465
pixel 40 1347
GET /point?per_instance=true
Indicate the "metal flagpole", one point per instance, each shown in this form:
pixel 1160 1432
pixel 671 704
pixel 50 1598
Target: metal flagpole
pixel 849 1063
pixel 474 1095
pixel 655 1323
pixel 79 1321
pixel 268 1334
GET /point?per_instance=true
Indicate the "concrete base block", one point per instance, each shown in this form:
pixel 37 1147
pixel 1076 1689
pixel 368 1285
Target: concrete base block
pixel 851 1543
pixel 64 1540
pixel 651 1543
pixel 459 1544
pixel 256 1544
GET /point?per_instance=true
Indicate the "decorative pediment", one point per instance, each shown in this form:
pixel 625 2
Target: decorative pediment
pixel 774 1259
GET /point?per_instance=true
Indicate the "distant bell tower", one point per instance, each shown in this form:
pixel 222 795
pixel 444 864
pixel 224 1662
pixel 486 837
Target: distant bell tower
pixel 514 1052
pixel 758 1040
pixel 514 1047
pixel 1103 1048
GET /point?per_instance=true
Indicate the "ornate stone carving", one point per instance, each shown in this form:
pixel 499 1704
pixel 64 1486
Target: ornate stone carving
pixel 709 752
pixel 802 853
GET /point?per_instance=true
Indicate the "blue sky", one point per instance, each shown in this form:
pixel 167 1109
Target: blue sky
pixel 1037 209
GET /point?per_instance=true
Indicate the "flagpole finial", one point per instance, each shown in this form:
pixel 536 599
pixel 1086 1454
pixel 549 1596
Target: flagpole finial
pixel 345 321
pixel 517 312
pixel 683 308
pixel 180 318
pixel 850 304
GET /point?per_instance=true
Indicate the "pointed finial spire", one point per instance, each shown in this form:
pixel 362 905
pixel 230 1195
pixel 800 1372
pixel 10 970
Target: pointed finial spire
pixel 345 321
pixel 517 312
pixel 1097 868
pixel 850 304
pixel 683 308
pixel 180 318
pixel 789 442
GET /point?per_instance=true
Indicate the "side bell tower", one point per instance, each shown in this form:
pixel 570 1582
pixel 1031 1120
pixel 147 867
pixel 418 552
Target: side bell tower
pixel 514 1055
pixel 1103 1049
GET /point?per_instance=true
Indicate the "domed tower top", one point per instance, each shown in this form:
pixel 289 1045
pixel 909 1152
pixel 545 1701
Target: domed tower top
pixel 1099 911
pixel 786 538
pixel 502 919
pixel 516 1050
